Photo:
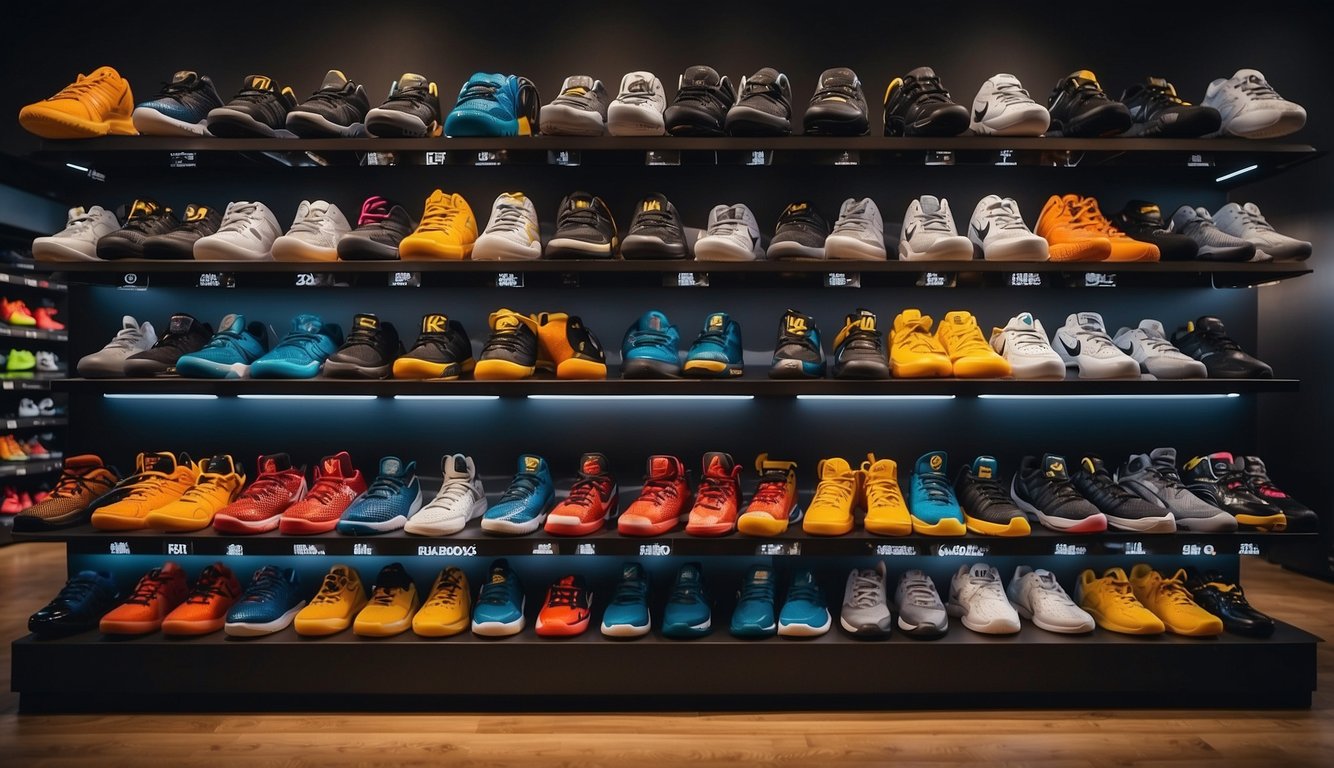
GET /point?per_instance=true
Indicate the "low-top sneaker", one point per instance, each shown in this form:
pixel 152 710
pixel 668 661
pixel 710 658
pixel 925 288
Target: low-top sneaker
pixel 499 610
pixel 773 506
pixel 978 598
pixel 1220 480
pixel 579 110
pixel 1080 108
pixel 1144 221
pixel 184 335
pixel 337 110
pixel 258 110
pixel 461 499
pixel 929 233
pixel 717 351
pixel 921 614
pixel 78 240
pixel 638 107
pixel 703 98
pixel 800 233
pixel 380 228
pixel 1000 234
pixel 1042 488
pixel 732 234
pixel 717 497
pixel 1207 340
pixel 1153 477
pixel 585 229
pixel 277 486
pixel 495 105
pixel 865 612
pixel 805 612
pixel 651 348
pixel 755 615
pixel 627 614
pixel 987 507
pixel 1300 517
pixel 270 601
pixel 447 230
pixel 656 231
pixel 524 505
pixel 858 234
pixel 199 221
pixel 247 233
pixel 1211 243
pixel 1038 597
pixel 302 352
pixel 336 484
pixel 838 107
pixel 592 499
pixel 145 219
pixel 1244 220
pixel 1003 108
pixel 1147 343
pixel 1157 111
pixel 664 497
pixel 314 233
pixel 512 232
pixel 1123 509
pixel 392 497
pixel 688 613
pixel 412 109
pixel 229 353
pixel 1023 343
pixel 512 351
pixel 369 351
pixel 1251 108
pixel 763 105
pixel 109 361
pixel 180 108
pixel 918 105
pixel 1083 343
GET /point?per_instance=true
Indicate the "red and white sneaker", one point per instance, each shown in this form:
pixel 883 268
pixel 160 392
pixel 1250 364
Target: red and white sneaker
pixel 593 497
pixel 277 486
pixel 665 497
pixel 337 483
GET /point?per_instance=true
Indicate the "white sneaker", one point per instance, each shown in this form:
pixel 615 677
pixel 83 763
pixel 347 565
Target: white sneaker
pixel 1246 222
pixel 461 499
pixel 999 231
pixel 977 597
pixel 1083 343
pixel 47 363
pixel 1023 343
pixel 1147 343
pixel 929 233
pixel 732 235
pixel 314 233
pixel 47 407
pixel 78 240
pixel 247 233
pixel 1251 108
pixel 637 109
pixel 512 232
pixel 109 361
pixel 859 233
pixel 1038 597
pixel 28 409
pixel 1003 108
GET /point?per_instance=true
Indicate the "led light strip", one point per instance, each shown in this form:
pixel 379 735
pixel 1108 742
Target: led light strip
pixel 146 396
pixel 1236 173
pixel 307 397
pixel 858 398
pixel 618 398
pixel 447 398
pixel 1209 396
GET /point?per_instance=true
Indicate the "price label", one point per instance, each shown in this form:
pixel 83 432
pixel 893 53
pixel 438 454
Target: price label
pixel 307 280
pixel 178 548
pixel 937 280
pixel 1248 548
pixel 489 158
pixel 1026 280
pixel 759 157
pixel 509 279
pixel 545 548
pixel 895 550
pixel 118 548
pixel 1099 280
pixel 686 280
pixel 586 548
pixel 235 550
pixel 940 157
pixel 1200 161
pixel 361 548
pixel 848 158
pixel 437 158
pixel 1005 157
pixel 182 160
pixel 842 279
pixel 405 279
pixel 661 157
pixel 1077 550
pixel 655 549
pixel 217 280
pixel 133 281
pixel 564 157
pixel 307 549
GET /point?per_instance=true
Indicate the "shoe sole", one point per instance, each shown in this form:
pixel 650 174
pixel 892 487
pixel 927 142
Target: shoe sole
pixel 358 528
pixel 820 528
pixel 1222 522
pixel 1165 524
pixel 714 249
pixel 506 528
pixel 283 369
pixel 762 524
pixel 353 248
pixel 1252 126
pixel 1264 522
pixel 641 368
pixel 626 631
pixel 1080 251
pixel 288 248
pixel 579 369
pixel 500 628
pixel 798 369
pixel 1197 124
pixel 993 627
pixel 843 248
pixel 902 525
pixel 747 121
pixel 713 369
pixel 1092 524
pixel 187 627
pixel 320 627
pixel 566 525
pixel 1124 629
pixel 986 368
pixel 150 122
pixel 1017 249
pixel 920 632
pixel 629 127
pixel 863 632
pixel 295 526
pixel 1110 119
pixel 940 368
pixel 419 527
pixel 392 124
pixel 1043 624
pixel 950 248
pixel 945 527
pixel 56 125
pixel 569 248
pixel 502 370
pixel 114 523
pixel 210 249
pixel 805 630
pixel 257 629
pixel 414 368
pixel 861 370
pixel 428 629
pixel 629 527
pixel 196 368
pixel 794 250
pixel 651 248
pixel 544 629
pixel 310 125
pixel 52 249
pixel 423 249
pixel 565 120
pixel 224 523
pixel 709 530
pixel 1017 526
pixel 173 524
pixel 115 627
pixel 497 248
pixel 228 123
pixel 337 370
pixel 387 629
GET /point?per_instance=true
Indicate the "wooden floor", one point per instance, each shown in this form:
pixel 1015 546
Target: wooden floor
pixel 31 573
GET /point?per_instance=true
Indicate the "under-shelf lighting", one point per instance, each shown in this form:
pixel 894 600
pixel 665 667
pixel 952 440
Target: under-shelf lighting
pixel 620 398
pixel 148 396
pixel 307 397
pixel 1236 173
pixel 447 398
pixel 78 168
pixel 860 398
pixel 1203 396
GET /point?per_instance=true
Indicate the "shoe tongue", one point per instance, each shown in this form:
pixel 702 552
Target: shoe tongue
pixel 701 75
pixel 392 466
pixel 142 208
pixel 986 468
pixel 922 73
pixel 436 323
pixel 718 465
pixel 959 318
pixel 1254 75
pixel 837 76
pixel 162 461
pixel 1085 76
pixel 307 324
pixel 1253 465
pixel 932 463
pixel 128 323
pixel 593 465
pixel 1054 467
pixel 1164 457
pixel 1090 321
pixel 653 203
pixel 1159 82
pixel 654 321
pixel 1221 462
pixel 861 318
pixel 567 581
pixel 761 575
pixel 688 576
pixel 663 467
pixel 530 464
pixel 257 83
pixel 274 462
pixel 505 321
pixel 233 325
pixel 1153 328
pixel 185 77
pixel 631 571
pixel 980 571
pixel 339 465
pixel 579 201
pixel 180 324
pixel 86 463
pixel 716 321
pixel 802 578
pixel 1150 212
pixel 194 212
pixel 1208 323
pixel 369 322
pixel 334 80
pixel 576 82
pixel 1252 209
pixel 765 76
pixel 929 203
pixel 1023 319
pixel 455 467
pixel 221 464
pixel 412 80
pixel 1094 466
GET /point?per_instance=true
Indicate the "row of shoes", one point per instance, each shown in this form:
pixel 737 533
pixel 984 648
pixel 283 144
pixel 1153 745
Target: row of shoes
pixel 29 408
pixel 24 362
pixel 15 500
pixel 12 449
pixel 18 315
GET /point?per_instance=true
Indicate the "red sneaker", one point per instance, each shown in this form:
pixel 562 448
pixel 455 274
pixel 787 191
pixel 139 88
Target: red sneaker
pixel 16 313
pixel 13 503
pixel 205 608
pixel 157 594
pixel 665 497
pixel 260 506
pixel 593 497
pixel 337 483
pixel 775 499
pixel 46 319
pixel 716 498
pixel 567 609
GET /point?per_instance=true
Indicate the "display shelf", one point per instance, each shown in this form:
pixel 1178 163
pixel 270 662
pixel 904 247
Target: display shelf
pixel 28 468
pixel 6 529
pixel 25 281
pixel 25 382
pixel 34 334
pixel 33 422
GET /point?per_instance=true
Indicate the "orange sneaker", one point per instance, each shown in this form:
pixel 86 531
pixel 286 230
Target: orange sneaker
pixel 217 485
pixel 567 609
pixel 337 483
pixel 17 313
pixel 1124 247
pixel 205 608
pixel 156 595
pixel 159 479
pixel 573 350
pixel 95 104
pixel 665 496
pixel 717 497
pixel 593 497
pixel 46 319
pixel 772 507
pixel 1072 233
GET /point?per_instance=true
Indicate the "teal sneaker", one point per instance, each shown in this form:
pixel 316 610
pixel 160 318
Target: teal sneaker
pixel 301 352
pixel 394 496
pixel 931 501
pixel 229 353
pixel 495 105
pixel 754 614
pixel 500 603
pixel 627 614
pixel 716 352
pixel 687 614
pixel 525 504
pixel 649 349
pixel 804 613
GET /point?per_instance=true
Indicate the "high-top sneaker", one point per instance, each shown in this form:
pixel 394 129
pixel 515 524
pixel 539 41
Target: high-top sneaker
pixel 717 497
pixel 524 505
pixel 572 348
pixel 859 348
pixel 593 498
pixel 257 110
pixel 277 486
pixel 180 109
pixel 442 351
pixel 798 353
pixel 773 506
pixel 918 105
pixel 1301 518
pixel 370 351
pixel 337 483
pixel 184 334
pixel 664 498
pixel 412 109
pixel 146 218
pixel 513 350
pixel 1220 480
pixel 380 228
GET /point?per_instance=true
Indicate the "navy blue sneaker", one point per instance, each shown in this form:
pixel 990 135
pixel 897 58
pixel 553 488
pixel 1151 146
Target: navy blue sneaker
pixel 180 109
pixel 627 614
pixel 798 353
pixel 270 602
pixel 78 606
pixel 229 353
pixel 500 603
pixel 650 348
pixel 301 352
pixel 804 613
pixel 754 613
pixel 687 614
pixel 393 497
pixel 524 506
pixel 716 352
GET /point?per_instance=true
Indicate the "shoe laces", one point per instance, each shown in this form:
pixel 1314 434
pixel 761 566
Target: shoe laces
pixel 588 217
pixel 588 491
pixel 837 90
pixel 509 218
pixel 80 87
pixel 1119 590
pixel 373 211
pixel 82 223
pixel 495 592
pixel 326 489
pixel 449 592
pixel 1061 488
pixel 639 91
pixel 239 217
pixel 386 487
pixel 967 340
pixel 772 489
pixel 1083 90
pixel 990 491
pixel 254 95
pixel 706 95
pixel 1163 96
pixel 1259 89
pixel 1008 92
pixel 333 95
pixel 175 90
pixel 1159 345
pixel 718 337
pixel 806 218
pixel 921 592
pixel 686 592
pixel 1107 485
pixel 266 486
pixel 507 339
pixel 76 590
pixel 452 491
pixel 857 219
pixel 146 484
pixel 757 590
pixel 366 337
pixel 866 589
pixel 208 483
pixel 1172 590
pixel 211 584
pixel 522 487
pixel 309 342
pixel 226 339
pixel 1085 214
pixel 385 595
pixel 925 89
pixel 730 222
pixel 807 591
pixel 714 492
pixel 649 338
pixel 70 485
pixel 1254 220
pixel 331 590
pixel 563 595
pixel 762 89
pixel 1005 215
pixel 836 491
pixel 148 588
pixel 1219 339
pixel 442 218
pixel 935 221
pixel 881 490
pixel 415 95
pixel 630 592
pixel 479 89
pixel 655 218
pixel 787 338
pixel 917 338
pixel 314 222
pixel 1096 339
pixel 936 487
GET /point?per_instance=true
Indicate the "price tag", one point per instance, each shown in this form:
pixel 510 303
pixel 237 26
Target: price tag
pixel 489 158
pixel 1005 157
pixel 1200 161
pixel 118 548
pixel 937 280
pixel 895 550
pixel 307 279
pixel 509 279
pixel 437 158
pixel 564 157
pixel 850 157
pixel 545 548
pixel 655 549
pixel 586 548
pixel 178 548
pixel 133 281
pixel 182 160
pixel 217 280
pixel 1099 280
pixel 759 157
pixel 1134 548
pixel 1026 280
pixel 235 550
pixel 686 280
pixel 940 157
pixel 1076 550
pixel 405 279
pixel 308 549
pixel 962 550
pixel 362 548
pixel 842 279
pixel 1248 548
pixel 662 157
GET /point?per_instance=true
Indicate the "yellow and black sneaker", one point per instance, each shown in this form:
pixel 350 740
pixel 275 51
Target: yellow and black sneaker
pixel 513 351
pixel 442 351
pixel 571 347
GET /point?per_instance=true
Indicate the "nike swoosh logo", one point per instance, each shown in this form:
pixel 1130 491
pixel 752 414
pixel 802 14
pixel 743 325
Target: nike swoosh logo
pixel 1072 351
pixel 978 114
pixel 982 232
pixel 1128 350
pixel 911 231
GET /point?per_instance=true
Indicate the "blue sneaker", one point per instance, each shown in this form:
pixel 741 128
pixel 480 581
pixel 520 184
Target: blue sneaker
pixel 524 506
pixel 798 353
pixel 393 497
pixel 687 614
pixel 301 352
pixel 627 614
pixel 650 348
pixel 180 109
pixel 804 613
pixel 500 603
pixel 78 607
pixel 229 353
pixel 270 602
pixel 716 352
pixel 754 614
pixel 495 105
pixel 931 501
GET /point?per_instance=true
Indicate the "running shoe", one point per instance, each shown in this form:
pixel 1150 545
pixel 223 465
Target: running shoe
pixel 627 614
pixel 918 105
pixel 512 232
pixel 579 110
pixel 799 234
pixel 1071 231
pixel 512 351
pixel 270 601
pixel 1042 488
pixel 333 608
pixel 931 500
pixel 921 614
pixel 1300 517
pixel 258 110
pixel 1003 108
pixel 302 352
pixel 1144 221
pixel 1023 343
pixel 77 607
pixel 337 110
pixel 1206 340
pixel 158 479
pixel 656 231
pixel 1086 214
pixel 688 613
pixel 1157 111
pixel 1147 343
pixel 638 107
pixel 886 510
pixel 1000 234
pixel 1224 598
pixel 717 351
pixel 929 233
pixel 1251 108
pixel 717 497
pixel 314 233
pixel 700 108
pixel 229 353
pixel 199 222
pixel 836 495
pixel 495 105
pixel 205 608
pixel 247 232
pixel 1244 220
pixel 1170 601
pixel 858 234
pixel 524 505
pixel 78 240
pixel 1211 243
pixel 592 500
pixel 447 230
pixel 1083 343
pixel 664 498
pixel 1081 109
pixel 804 612
pixel 865 612
pixel 447 610
pixel 219 483
pixel 1038 597
pixel 838 107
pixel 158 593
pixel 1123 509
pixel 571 347
pixel 914 352
pixel 99 103
pixel 392 604
pixel 1111 601
pixel 567 609
pixel 381 228
pixel 145 219
pixel 83 479
pixel 986 504
pixel 755 616
pixel 442 351
pixel 763 106
pixel 499 610
pixel 411 110
pixel 1153 477
pixel 336 484
pixel 277 486
pixel 798 353
pixel 732 234
pixel 1220 480
pixel 585 229
pixel 369 351
pixel 970 354
pixel 773 506
pixel 461 499
pixel 978 598
pixel 392 497
pixel 650 348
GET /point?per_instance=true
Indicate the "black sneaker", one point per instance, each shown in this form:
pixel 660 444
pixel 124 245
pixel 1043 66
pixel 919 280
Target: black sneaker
pixel 763 106
pixel 859 348
pixel 184 335
pixel 179 243
pixel 1042 488
pixel 381 227
pixel 368 352
pixel 838 107
pixel 701 103
pixel 337 110
pixel 1158 111
pixel 656 231
pixel 257 110
pixel 411 110
pixel 1081 109
pixel 442 351
pixel 145 219
pixel 1206 340
pixel 987 508
pixel 573 349
pixel 918 105
pixel 798 353
pixel 579 110
pixel 1225 599
pixel 180 109
pixel 78 607
pixel 585 229
pixel 512 351
pixel 1122 508
pixel 1144 221
pixel 800 233
pixel 1301 518
pixel 1220 480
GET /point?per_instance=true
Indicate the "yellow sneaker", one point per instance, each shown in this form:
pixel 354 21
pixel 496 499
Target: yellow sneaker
pixel 775 498
pixel 830 512
pixel 513 351
pixel 158 480
pixel 1111 601
pixel 330 611
pixel 886 511
pixel 571 348
pixel 970 353
pixel 913 352
pixel 448 611
pixel 1171 601
pixel 218 485
pixel 96 104
pixel 392 604
pixel 447 230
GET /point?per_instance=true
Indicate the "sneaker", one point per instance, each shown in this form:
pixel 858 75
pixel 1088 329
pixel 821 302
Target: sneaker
pixel 1038 597
pixel 1300 518
pixel 1147 343
pixel 886 511
pixel 1157 111
pixel 1111 602
pixel 199 222
pixel 257 110
pixel 1153 477
pixel 229 353
pixel 1246 221
pixel 83 479
pixel 970 354
pixel 1042 488
pixel 314 234
pixel 16 313
pixel 1083 343
pixel 935 510
pixel 754 616
pixel 656 231
pixel 524 505
pixel 688 613
pixel 804 612
pixel 259 508
pixel 593 499
pixel 380 228
pixel 579 110
pixel 1000 234
pixel 271 601
pixel 799 234
pixel 865 612
pixel 918 105
pixel 627 614
pixel 78 240
pixel 219 483
pixel 1124 247
pixel 392 604
pixel 717 497
pixel 337 110
pixel 447 610
pixel 512 351
pixel 978 598
pixel 77 607
pixel 499 610
pixel 205 608
pixel 929 233
pixel 797 353
pixel 247 233
pixel 442 351
pixel 1144 221
pixel 495 105
pixel 638 107
pixel 512 233
pixel 763 106
pixel 859 233
pixel 717 351
pixel 773 506
pixel 1212 243
pixel 1220 480
pixel 461 499
pixel 1224 598
pixel 1081 109
pixel 158 480
pixel 585 229
pixel 838 107
pixel 301 352
pixel 1003 108
pixel 566 610
pixel 27 408
pixel 664 498
pixel 47 362
pixel 650 348
pixel 145 219
pixel 987 508
pixel 702 101
pixel 1170 601
pixel 1123 509
pixel 411 110
pixel 158 592
pixel 20 360
pixel 914 351
pixel 1206 340
pixel 1251 108
pixel 392 497
pixel 370 351
pixel 1071 232
pixel 333 608
pixel 921 614
pixel 99 103
pixel 836 495
pixel 46 321
pixel 184 335
pixel 447 230
pixel 336 484
pixel 731 235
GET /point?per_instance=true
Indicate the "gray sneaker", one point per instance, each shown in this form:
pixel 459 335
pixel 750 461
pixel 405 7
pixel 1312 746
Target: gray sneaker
pixel 109 361
pixel 921 613
pixel 1246 222
pixel 865 603
pixel 1153 477
pixel 1214 244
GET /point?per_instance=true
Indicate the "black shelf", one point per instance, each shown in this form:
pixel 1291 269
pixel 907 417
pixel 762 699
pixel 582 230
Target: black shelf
pixel 25 382
pixel 33 422
pixel 25 281
pixel 34 334
pixel 30 468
